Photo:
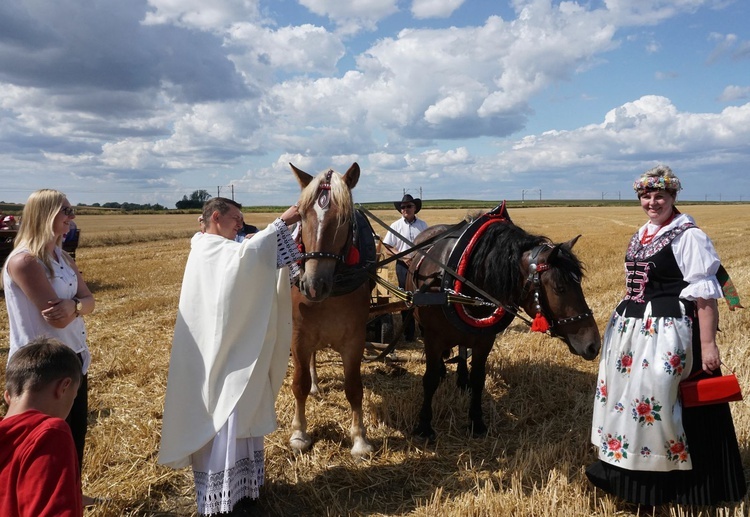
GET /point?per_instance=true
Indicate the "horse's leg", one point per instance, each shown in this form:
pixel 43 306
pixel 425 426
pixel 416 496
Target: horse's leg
pixel 462 371
pixel 434 365
pixel 480 352
pixel 314 388
pixel 352 358
pixel 300 441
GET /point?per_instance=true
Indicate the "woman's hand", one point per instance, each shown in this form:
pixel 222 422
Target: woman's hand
pixel 708 317
pixel 59 310
pixel 710 356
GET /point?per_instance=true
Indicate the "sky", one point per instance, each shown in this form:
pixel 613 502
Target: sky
pixel 146 101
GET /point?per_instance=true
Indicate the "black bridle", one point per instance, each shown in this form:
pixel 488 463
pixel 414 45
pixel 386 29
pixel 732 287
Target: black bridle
pixel 534 282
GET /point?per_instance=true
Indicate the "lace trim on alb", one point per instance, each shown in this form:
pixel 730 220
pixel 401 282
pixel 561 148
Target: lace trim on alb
pixel 219 492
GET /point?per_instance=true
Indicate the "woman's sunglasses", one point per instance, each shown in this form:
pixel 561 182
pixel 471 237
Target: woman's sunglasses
pixel 68 210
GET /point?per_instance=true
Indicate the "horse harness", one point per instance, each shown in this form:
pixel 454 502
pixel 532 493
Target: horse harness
pixel 353 264
pixel 453 300
pixel 534 282
pixel 324 202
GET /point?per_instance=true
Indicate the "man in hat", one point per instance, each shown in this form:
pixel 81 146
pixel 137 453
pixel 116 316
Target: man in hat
pixel 409 226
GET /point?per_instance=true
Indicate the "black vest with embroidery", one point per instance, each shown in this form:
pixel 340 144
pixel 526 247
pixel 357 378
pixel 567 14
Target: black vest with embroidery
pixel 654 276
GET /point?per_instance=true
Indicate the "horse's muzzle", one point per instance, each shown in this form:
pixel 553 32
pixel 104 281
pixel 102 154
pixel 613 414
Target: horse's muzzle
pixel 315 289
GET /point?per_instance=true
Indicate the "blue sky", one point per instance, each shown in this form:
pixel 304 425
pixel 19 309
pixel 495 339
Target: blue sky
pixel 148 100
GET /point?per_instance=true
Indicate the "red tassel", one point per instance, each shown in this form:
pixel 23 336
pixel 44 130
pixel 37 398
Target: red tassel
pixel 352 258
pixel 540 323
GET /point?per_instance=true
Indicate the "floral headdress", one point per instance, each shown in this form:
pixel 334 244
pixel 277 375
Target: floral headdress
pixel 648 183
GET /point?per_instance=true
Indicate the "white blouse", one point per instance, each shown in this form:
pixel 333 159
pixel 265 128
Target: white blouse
pixel 26 321
pixel 696 257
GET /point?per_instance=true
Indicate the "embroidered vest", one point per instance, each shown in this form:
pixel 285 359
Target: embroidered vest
pixel 654 276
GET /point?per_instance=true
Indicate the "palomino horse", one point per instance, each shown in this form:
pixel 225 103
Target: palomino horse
pixel 321 316
pixel 518 270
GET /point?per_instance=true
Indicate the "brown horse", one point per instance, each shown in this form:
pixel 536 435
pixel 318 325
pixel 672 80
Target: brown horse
pixel 515 268
pixel 321 316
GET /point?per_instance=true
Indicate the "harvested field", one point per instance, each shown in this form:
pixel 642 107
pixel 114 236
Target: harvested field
pixel 537 402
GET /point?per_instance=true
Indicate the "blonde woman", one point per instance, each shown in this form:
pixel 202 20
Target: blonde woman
pixel 45 294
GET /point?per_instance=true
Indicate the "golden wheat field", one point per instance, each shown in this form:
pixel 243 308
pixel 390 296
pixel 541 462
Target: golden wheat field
pixel 537 402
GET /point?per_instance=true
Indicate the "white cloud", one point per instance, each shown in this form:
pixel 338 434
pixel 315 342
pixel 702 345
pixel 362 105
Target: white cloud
pixel 734 93
pixel 450 157
pixel 652 12
pixel 213 16
pixel 300 49
pixel 422 9
pixel 157 92
pixel 382 160
pixel 646 129
pixel 351 16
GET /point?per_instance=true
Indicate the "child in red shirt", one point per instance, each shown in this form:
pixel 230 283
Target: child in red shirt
pixel 39 474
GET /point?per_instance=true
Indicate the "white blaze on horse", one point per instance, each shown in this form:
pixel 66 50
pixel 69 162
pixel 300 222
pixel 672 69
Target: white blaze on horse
pixel 324 312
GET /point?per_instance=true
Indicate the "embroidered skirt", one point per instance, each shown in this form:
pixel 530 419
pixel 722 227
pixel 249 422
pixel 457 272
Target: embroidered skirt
pixel 226 470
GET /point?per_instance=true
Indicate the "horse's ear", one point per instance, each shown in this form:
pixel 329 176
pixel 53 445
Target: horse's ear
pixel 352 176
pixel 572 242
pixel 303 178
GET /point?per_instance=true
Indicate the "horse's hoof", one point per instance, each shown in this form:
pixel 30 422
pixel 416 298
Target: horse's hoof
pixel 478 430
pixel 426 433
pixel 362 449
pixel 300 442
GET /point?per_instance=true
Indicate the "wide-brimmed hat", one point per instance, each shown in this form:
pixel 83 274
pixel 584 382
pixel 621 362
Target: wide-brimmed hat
pixel 409 199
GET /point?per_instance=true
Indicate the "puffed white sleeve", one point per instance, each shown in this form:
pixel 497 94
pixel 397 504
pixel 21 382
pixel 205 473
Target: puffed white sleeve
pixel 698 261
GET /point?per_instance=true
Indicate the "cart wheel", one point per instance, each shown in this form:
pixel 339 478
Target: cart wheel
pixel 386 328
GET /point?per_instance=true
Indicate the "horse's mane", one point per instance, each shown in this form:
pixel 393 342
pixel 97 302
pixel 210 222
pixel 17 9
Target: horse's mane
pixel 341 197
pixel 497 255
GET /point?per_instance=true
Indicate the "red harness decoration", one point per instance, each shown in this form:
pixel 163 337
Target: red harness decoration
pixel 463 265
pixel 540 323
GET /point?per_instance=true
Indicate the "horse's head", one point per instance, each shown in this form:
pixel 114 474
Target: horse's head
pixel 553 289
pixel 326 208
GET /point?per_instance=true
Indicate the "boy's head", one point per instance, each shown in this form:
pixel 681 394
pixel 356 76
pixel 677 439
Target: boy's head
pixel 45 374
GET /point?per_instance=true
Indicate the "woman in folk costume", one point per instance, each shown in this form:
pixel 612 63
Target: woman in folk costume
pixel 229 355
pixel 652 450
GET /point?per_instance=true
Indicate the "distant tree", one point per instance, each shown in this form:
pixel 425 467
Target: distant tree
pixel 196 200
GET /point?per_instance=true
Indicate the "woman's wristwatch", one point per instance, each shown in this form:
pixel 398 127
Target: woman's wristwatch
pixel 79 306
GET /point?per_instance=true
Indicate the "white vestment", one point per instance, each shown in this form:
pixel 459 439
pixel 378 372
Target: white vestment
pixel 231 344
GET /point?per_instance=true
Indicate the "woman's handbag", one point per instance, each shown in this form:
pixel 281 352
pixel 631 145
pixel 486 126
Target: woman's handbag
pixel 710 390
